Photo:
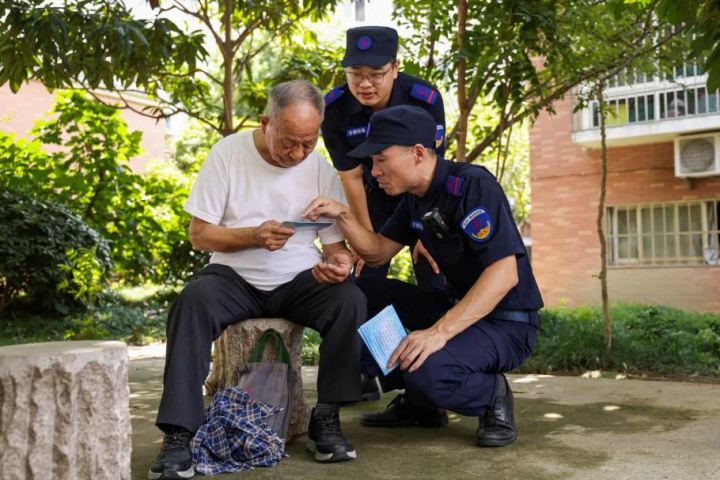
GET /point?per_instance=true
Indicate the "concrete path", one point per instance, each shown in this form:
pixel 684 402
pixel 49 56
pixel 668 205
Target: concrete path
pixel 569 428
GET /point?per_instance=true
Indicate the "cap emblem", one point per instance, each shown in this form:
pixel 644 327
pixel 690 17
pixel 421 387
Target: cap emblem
pixel 364 42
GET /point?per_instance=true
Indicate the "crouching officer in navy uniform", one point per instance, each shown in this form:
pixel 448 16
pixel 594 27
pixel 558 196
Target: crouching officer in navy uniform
pixel 486 322
pixel 374 83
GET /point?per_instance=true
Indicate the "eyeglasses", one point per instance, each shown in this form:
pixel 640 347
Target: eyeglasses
pixel 375 78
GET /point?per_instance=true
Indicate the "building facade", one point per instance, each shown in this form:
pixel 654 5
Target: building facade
pixel 663 195
pixel 19 112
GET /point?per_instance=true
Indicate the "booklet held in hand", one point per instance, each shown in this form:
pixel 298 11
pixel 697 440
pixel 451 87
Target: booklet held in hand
pixel 382 334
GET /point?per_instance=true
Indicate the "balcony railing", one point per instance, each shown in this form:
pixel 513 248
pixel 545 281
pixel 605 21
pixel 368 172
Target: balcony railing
pixel 635 100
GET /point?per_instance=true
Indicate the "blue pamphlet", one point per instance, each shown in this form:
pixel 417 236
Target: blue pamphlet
pixel 306 225
pixel 382 334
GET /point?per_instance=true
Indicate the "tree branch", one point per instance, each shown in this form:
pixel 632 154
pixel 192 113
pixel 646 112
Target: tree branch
pixel 204 18
pixel 561 91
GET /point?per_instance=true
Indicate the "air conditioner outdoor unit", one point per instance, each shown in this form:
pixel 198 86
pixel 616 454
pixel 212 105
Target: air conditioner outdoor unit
pixel 697 156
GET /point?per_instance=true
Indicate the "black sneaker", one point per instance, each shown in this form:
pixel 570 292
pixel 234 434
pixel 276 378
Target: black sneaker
pixel 370 390
pixel 401 412
pixel 325 438
pixel 175 459
pixel 497 426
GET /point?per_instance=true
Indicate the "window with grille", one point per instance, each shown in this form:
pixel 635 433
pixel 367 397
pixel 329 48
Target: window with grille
pixel 683 233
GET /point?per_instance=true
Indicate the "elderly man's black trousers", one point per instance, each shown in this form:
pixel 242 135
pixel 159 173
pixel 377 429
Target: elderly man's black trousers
pixel 218 297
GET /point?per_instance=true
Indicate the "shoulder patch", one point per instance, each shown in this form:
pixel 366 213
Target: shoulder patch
pixel 426 94
pixel 333 95
pixel 454 186
pixel 478 225
pixel 439 135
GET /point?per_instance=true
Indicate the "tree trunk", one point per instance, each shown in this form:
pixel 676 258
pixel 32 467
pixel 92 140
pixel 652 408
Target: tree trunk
pixel 462 94
pixel 600 218
pixel 227 52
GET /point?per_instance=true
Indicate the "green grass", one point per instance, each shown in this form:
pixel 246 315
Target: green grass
pixel 647 339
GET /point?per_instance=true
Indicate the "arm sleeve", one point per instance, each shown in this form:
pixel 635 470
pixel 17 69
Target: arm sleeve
pixel 330 187
pixel 337 144
pixel 503 239
pixel 438 112
pixel 397 227
pixel 208 197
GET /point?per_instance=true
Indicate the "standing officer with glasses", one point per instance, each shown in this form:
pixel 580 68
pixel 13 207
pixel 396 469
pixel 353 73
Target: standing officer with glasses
pixel 374 84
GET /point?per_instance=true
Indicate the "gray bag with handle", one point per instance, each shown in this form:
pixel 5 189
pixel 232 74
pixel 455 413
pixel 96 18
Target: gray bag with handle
pixel 270 382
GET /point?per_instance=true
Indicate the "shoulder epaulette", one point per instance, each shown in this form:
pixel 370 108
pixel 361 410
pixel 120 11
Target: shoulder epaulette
pixel 426 94
pixel 333 95
pixel 454 185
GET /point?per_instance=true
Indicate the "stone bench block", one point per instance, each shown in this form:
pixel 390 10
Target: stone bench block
pixel 65 411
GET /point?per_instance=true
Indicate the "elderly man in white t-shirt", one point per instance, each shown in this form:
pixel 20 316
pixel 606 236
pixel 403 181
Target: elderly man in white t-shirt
pixel 249 184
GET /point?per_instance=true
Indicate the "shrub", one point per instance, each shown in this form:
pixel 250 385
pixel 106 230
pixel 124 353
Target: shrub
pixel 645 339
pixel 141 215
pixel 34 238
pixel 401 267
pixel 311 347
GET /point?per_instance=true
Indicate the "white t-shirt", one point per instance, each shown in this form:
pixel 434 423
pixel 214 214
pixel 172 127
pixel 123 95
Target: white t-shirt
pixel 236 188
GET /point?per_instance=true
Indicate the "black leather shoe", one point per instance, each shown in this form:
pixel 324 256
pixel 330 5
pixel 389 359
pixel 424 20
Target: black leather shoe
pixel 325 438
pixel 401 412
pixel 370 390
pixel 175 459
pixel 497 426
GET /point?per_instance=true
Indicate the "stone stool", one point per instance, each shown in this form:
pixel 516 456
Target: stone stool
pixel 234 348
pixel 65 411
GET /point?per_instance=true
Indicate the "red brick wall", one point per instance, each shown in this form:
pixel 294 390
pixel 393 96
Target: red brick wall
pixel 565 181
pixel 18 113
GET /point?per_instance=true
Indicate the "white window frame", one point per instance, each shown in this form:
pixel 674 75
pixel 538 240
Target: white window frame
pixel 651 260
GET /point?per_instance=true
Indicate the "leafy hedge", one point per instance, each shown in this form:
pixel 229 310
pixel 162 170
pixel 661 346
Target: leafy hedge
pixel 35 236
pixel 646 338
pixel 141 215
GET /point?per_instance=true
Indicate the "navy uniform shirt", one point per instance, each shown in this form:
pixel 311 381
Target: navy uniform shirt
pixel 346 121
pixel 483 231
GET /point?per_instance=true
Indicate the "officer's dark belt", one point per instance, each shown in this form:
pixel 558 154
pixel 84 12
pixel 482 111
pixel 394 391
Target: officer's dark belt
pixel 511 315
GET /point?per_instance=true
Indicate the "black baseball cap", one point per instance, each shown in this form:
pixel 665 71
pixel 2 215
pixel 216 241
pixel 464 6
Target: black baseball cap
pixel 400 125
pixel 373 46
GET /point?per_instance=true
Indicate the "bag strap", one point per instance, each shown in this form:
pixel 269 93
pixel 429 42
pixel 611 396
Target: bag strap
pixel 259 350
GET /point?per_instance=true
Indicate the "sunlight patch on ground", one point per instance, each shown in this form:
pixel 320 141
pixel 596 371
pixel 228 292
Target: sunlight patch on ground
pixel 531 378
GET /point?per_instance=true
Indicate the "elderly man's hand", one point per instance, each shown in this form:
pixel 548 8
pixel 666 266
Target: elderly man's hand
pixel 272 236
pixel 417 347
pixel 324 207
pixel 335 272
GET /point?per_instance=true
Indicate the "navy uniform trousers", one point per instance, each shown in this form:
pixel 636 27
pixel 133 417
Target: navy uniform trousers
pixel 380 211
pixel 460 377
pixel 218 297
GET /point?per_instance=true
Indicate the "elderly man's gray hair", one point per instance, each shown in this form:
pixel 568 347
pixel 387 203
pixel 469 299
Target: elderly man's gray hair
pixel 285 94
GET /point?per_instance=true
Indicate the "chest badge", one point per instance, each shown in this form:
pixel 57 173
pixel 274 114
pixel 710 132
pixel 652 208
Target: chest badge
pixel 352 132
pixel 478 225
pixel 416 225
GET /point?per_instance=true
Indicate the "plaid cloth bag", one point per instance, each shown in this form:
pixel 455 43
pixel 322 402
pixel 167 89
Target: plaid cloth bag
pixel 270 382
pixel 235 436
